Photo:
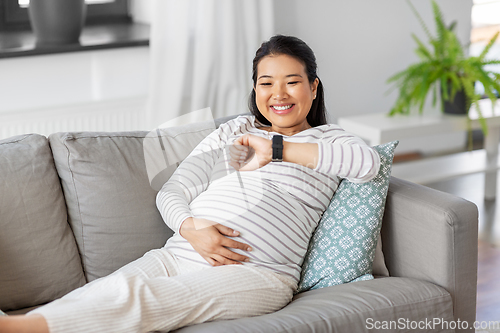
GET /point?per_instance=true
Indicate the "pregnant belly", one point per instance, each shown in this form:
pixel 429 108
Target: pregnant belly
pixel 272 223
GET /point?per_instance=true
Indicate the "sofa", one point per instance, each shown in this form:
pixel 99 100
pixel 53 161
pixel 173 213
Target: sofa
pixel 77 206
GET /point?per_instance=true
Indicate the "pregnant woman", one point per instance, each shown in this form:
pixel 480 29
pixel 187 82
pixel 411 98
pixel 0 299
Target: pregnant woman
pixel 243 206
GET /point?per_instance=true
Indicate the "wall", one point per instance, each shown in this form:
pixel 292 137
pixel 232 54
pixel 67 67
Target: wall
pixel 69 78
pixel 361 43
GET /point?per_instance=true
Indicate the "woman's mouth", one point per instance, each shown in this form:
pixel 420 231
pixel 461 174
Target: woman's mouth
pixel 282 109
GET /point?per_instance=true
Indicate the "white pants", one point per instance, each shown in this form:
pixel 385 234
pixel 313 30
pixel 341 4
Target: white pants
pixel 160 292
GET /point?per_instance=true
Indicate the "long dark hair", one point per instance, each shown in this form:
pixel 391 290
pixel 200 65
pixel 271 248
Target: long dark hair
pixel 296 48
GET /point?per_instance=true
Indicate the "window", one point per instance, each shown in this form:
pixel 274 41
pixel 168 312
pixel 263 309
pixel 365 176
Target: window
pixel 485 19
pixel 485 24
pixel 14 13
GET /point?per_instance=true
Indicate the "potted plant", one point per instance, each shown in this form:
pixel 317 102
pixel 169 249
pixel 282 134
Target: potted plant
pixel 57 22
pixel 445 70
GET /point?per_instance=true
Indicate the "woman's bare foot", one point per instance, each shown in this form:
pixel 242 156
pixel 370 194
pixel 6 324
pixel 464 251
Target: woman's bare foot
pixel 23 324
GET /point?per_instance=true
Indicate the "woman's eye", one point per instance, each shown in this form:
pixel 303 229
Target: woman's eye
pixel 293 82
pixel 265 84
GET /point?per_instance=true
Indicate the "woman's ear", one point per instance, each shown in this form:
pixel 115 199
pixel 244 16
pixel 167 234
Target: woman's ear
pixel 314 86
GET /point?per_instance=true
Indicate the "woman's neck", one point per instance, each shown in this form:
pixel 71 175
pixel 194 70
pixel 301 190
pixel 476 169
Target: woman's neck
pixel 288 131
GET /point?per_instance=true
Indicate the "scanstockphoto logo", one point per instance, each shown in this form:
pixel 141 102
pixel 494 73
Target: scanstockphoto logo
pixel 171 143
pixel 429 324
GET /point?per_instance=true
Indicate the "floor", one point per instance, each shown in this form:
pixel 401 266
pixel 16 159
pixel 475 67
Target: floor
pixel 471 188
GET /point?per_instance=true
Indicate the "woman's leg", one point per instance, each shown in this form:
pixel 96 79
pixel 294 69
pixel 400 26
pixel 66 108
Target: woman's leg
pixel 93 301
pixel 222 292
pixel 134 300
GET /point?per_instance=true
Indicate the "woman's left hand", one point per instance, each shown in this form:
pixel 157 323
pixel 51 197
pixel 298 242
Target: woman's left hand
pixel 250 152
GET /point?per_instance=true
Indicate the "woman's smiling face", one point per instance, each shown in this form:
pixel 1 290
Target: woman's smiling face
pixel 283 93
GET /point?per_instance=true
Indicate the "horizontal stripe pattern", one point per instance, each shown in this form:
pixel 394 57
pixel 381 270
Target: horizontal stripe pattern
pixel 160 293
pixel 275 208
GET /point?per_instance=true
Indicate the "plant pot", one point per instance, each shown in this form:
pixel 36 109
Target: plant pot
pixel 57 22
pixel 457 105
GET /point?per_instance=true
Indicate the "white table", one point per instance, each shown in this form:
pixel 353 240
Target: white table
pixel 380 128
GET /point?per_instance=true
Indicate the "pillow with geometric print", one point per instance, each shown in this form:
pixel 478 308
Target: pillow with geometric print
pixel 342 247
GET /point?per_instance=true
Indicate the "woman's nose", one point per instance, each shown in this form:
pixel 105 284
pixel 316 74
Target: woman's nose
pixel 279 92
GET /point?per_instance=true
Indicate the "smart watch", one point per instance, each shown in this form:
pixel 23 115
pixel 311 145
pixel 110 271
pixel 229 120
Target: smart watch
pixel 277 148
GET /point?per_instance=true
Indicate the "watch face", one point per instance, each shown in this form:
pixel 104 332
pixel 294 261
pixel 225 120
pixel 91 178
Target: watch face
pixel 277 148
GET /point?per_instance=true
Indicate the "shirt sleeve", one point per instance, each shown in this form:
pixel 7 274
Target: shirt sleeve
pixel 190 179
pixel 345 155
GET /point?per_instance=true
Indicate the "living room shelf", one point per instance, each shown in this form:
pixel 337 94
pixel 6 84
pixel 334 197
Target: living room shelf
pixel 98 37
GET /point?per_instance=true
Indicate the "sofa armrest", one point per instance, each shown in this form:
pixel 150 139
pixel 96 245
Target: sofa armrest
pixel 433 236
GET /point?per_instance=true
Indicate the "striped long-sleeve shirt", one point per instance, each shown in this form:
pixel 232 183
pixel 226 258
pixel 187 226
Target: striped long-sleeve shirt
pixel 275 208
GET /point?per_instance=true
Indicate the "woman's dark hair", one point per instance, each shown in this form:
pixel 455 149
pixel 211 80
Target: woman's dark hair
pixel 296 48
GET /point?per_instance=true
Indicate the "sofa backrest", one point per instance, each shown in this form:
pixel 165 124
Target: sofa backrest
pixel 39 259
pixel 110 199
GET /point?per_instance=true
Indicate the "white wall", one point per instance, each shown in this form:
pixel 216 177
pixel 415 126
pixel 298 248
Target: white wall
pixel 71 78
pixel 361 43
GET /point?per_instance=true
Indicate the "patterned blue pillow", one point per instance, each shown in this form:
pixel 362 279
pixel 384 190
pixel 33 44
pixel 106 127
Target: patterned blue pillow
pixel 342 247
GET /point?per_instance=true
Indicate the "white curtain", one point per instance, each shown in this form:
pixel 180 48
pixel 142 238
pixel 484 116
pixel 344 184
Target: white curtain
pixel 201 55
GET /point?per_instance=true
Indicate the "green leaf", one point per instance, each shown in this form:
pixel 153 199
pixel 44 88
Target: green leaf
pixel 420 20
pixel 482 121
pixel 452 26
pixel 488 46
pixel 489 84
pixel 434 94
pixel 422 49
pixel 442 35
pixel 490 62
pixel 444 88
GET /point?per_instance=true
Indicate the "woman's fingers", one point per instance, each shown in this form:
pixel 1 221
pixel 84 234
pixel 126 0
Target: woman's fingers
pixel 250 152
pixel 233 256
pixel 210 240
pixel 240 155
pixel 226 230
pixel 236 166
pixel 212 261
pixel 223 260
pixel 231 243
pixel 227 242
pixel 226 258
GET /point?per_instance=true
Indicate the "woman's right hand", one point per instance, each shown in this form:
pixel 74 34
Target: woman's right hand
pixel 209 239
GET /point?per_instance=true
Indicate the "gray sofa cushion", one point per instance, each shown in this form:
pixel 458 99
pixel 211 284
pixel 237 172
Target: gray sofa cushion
pixel 111 204
pixel 39 259
pixel 346 308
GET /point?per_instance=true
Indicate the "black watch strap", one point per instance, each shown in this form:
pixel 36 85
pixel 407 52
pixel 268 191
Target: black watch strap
pixel 277 148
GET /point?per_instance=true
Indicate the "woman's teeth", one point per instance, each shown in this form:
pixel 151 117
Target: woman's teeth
pixel 281 108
